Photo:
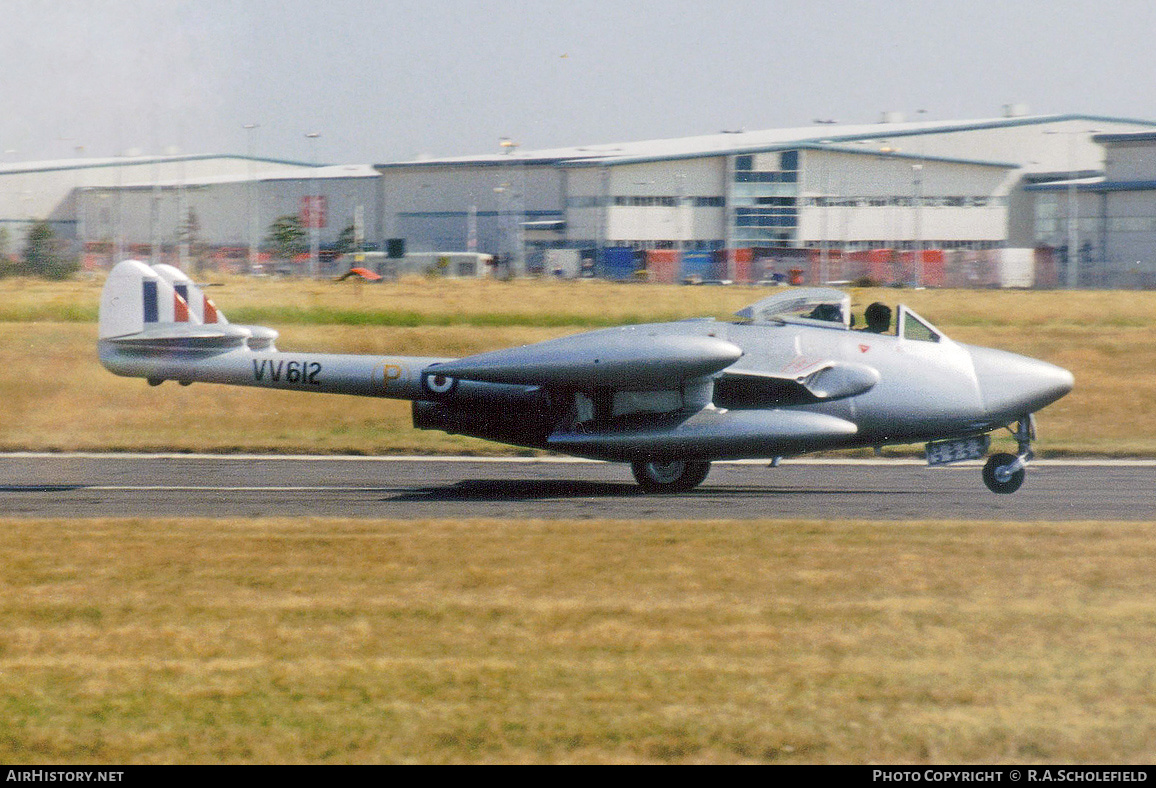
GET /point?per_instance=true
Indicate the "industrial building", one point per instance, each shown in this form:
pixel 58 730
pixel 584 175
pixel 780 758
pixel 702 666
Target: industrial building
pixel 213 210
pixel 893 185
pixel 87 200
pixel 1110 217
pixel 924 202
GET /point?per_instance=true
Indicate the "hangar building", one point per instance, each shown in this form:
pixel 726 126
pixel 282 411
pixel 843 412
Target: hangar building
pixel 67 191
pixel 889 185
pixel 1110 217
pixel 716 204
pixel 228 215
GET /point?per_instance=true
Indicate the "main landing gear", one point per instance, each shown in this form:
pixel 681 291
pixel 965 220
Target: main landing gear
pixel 670 477
pixel 1004 473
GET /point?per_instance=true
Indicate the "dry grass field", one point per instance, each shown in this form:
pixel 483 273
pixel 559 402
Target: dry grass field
pixel 319 641
pixel 57 397
pixel 302 641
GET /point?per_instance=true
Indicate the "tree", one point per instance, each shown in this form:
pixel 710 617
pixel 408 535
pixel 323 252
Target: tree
pixel 7 265
pixel 188 235
pixel 44 255
pixel 346 241
pixel 287 237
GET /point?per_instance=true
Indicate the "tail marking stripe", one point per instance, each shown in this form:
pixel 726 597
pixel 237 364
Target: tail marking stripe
pixel 151 312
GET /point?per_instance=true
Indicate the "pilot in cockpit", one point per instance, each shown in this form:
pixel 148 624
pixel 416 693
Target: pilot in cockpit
pixel 828 312
pixel 878 318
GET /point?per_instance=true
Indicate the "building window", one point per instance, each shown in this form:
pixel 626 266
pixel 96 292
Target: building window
pixel 765 197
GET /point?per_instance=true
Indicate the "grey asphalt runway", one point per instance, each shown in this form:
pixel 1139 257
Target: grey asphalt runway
pixel 111 485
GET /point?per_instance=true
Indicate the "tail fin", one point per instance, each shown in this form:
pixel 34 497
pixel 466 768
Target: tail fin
pixel 158 307
pixel 134 298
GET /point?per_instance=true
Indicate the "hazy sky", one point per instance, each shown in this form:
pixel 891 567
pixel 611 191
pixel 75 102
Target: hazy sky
pixel 387 80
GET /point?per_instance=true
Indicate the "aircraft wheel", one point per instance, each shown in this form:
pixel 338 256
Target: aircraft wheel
pixel 1012 483
pixel 670 477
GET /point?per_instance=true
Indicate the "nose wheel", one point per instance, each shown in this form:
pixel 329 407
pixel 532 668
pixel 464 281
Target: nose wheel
pixel 1004 473
pixel 1001 475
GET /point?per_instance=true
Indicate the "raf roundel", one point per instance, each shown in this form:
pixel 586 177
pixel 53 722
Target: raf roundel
pixel 438 384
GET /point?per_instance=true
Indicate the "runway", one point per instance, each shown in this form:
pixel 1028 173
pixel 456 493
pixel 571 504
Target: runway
pixel 172 485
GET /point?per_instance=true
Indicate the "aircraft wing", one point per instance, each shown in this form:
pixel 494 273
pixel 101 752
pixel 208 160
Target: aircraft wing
pixel 641 358
pixel 801 382
pixel 649 391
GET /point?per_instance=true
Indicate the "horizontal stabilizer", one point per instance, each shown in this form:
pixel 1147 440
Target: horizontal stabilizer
pixel 631 357
pixel 193 338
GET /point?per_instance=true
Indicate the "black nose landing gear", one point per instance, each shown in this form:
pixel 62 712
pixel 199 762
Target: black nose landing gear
pixel 1004 473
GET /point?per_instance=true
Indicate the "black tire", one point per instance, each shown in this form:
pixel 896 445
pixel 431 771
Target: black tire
pixel 995 485
pixel 670 477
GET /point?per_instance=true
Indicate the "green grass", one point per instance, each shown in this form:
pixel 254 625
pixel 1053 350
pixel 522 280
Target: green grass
pixel 575 304
pixel 298 316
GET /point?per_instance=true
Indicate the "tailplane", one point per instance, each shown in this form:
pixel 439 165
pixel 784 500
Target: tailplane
pixel 159 308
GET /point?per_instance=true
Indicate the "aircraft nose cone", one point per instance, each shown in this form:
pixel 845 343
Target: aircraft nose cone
pixel 1012 386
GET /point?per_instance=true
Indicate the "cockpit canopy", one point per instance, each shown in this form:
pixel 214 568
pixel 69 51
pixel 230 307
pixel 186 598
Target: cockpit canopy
pixel 830 308
pixel 807 305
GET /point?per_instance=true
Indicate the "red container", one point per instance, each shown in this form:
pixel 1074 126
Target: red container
pixel 740 266
pixel 880 268
pixel 1047 268
pixel 934 268
pixel 662 265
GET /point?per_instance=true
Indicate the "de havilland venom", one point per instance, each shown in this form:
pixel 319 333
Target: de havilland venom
pixel 790 375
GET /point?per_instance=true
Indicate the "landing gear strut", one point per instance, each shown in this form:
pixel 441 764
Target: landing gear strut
pixel 1004 473
pixel 670 477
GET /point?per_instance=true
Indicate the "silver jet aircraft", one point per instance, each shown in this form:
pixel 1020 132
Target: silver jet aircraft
pixel 789 375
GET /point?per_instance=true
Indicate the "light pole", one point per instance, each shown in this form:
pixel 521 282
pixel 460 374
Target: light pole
pixel 645 233
pixel 824 200
pixel 253 222
pixel 81 203
pixel 516 206
pixel 314 213
pixel 119 207
pixel 155 215
pixel 1073 273
pixel 917 197
pixel 684 216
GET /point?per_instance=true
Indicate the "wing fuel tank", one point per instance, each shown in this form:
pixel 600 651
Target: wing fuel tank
pixel 620 357
pixel 712 434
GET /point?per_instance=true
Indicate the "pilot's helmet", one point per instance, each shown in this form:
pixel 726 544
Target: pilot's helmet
pixel 830 312
pixel 878 317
